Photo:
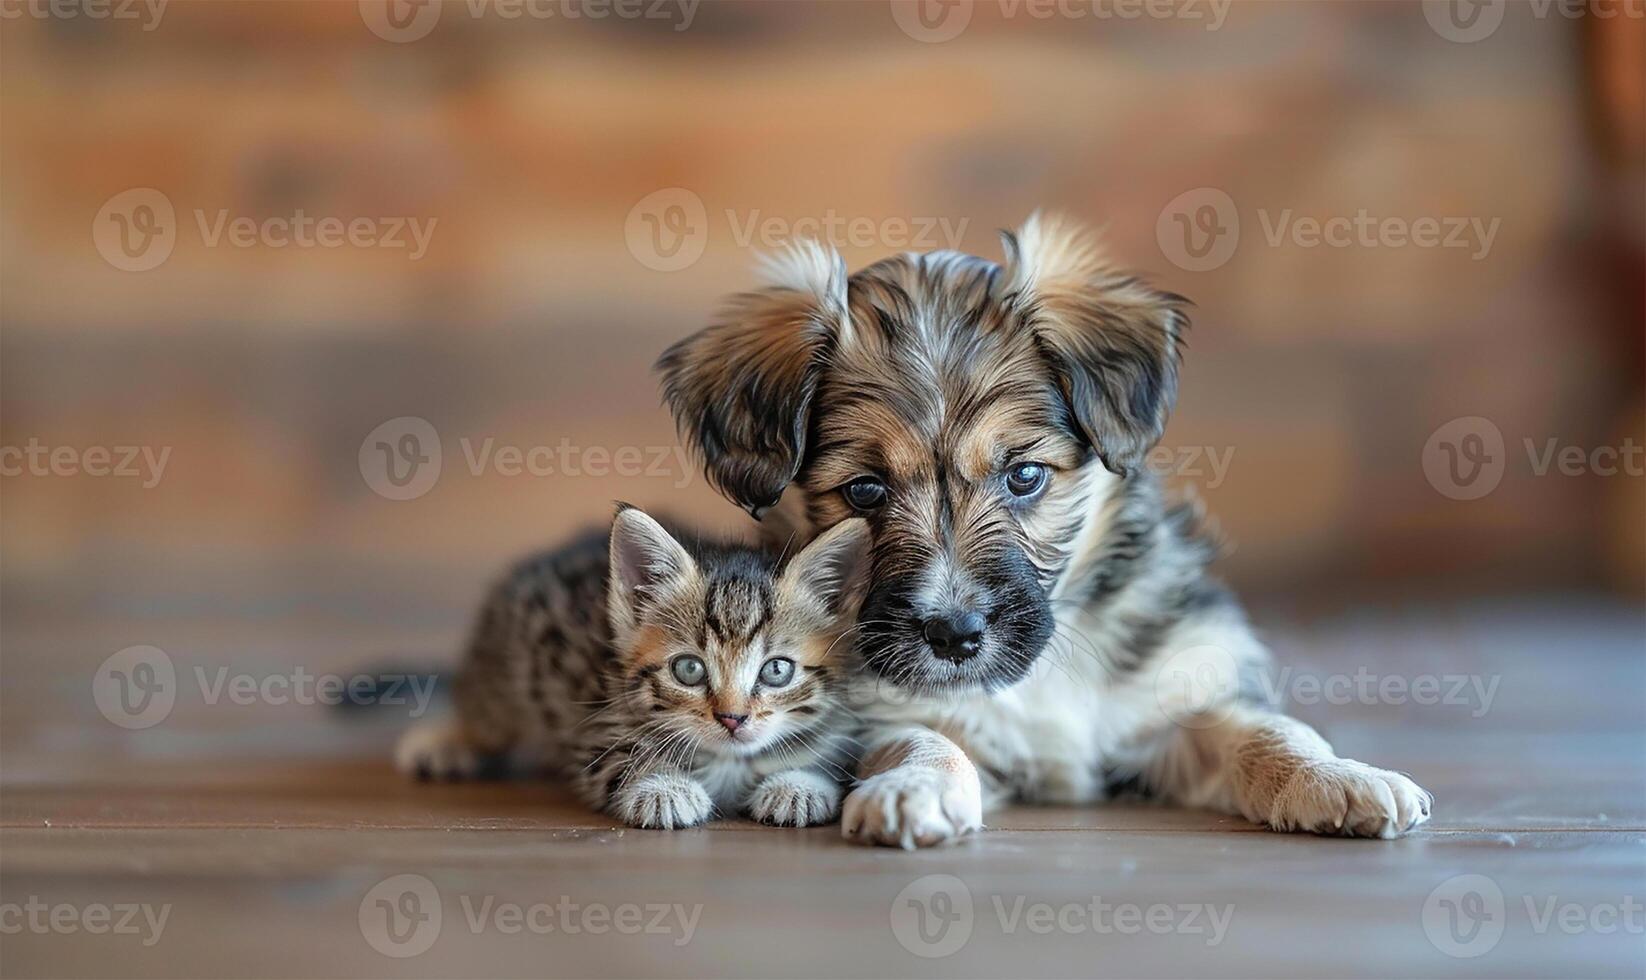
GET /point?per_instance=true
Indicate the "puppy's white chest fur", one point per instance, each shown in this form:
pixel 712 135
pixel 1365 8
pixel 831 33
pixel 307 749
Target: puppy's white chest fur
pixel 1045 739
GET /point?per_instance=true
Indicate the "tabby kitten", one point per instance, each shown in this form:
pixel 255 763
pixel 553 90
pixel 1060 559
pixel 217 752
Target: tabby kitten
pixel 664 683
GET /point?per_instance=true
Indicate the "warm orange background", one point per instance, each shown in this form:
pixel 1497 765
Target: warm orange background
pixel 530 320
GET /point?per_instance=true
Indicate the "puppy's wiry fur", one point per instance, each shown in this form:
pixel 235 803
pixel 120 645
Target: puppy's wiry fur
pixel 933 378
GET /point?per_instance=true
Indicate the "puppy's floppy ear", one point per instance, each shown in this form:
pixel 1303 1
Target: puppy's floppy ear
pixel 646 562
pixel 741 390
pixel 1112 341
pixel 830 573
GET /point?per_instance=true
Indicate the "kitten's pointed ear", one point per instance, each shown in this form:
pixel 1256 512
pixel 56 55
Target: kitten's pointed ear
pixel 646 563
pixel 741 390
pixel 1112 341
pixel 832 571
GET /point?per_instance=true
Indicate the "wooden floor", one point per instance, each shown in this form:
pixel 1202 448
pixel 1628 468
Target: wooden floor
pixel 274 840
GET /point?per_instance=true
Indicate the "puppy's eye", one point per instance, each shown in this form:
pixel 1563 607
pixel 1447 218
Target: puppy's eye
pixel 1027 479
pixel 777 672
pixel 688 670
pixel 865 493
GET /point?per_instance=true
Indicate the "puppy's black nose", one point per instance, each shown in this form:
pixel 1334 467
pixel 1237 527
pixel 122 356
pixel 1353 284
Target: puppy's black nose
pixel 955 636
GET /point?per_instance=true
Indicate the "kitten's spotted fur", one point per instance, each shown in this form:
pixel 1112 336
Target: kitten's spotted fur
pixel 650 676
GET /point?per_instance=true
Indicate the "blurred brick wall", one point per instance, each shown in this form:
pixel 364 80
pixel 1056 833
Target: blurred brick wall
pixel 1317 373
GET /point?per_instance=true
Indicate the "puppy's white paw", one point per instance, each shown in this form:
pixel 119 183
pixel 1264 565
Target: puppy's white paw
pixel 913 806
pixel 662 801
pixel 795 798
pixel 436 750
pixel 1342 796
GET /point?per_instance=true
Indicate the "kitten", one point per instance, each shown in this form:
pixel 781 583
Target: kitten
pixel 664 683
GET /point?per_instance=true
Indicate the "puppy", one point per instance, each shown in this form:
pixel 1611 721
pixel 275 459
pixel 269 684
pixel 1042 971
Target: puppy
pixel 1039 622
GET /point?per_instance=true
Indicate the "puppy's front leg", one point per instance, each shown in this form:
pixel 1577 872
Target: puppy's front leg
pixel 1277 771
pixel 918 789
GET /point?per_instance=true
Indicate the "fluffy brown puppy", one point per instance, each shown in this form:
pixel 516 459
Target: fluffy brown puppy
pixel 1039 623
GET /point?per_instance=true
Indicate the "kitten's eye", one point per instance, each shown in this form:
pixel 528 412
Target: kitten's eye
pixel 1027 479
pixel 865 493
pixel 777 672
pixel 688 670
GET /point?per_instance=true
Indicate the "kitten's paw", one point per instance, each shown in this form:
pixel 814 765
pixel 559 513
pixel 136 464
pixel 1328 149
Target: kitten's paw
pixel 913 806
pixel 436 750
pixel 662 801
pixel 795 798
pixel 1342 796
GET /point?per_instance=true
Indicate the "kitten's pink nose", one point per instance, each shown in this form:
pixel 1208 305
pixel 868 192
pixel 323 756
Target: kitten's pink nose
pixel 730 721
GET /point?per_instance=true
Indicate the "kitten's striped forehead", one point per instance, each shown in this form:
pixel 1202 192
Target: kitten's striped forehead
pixel 736 608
